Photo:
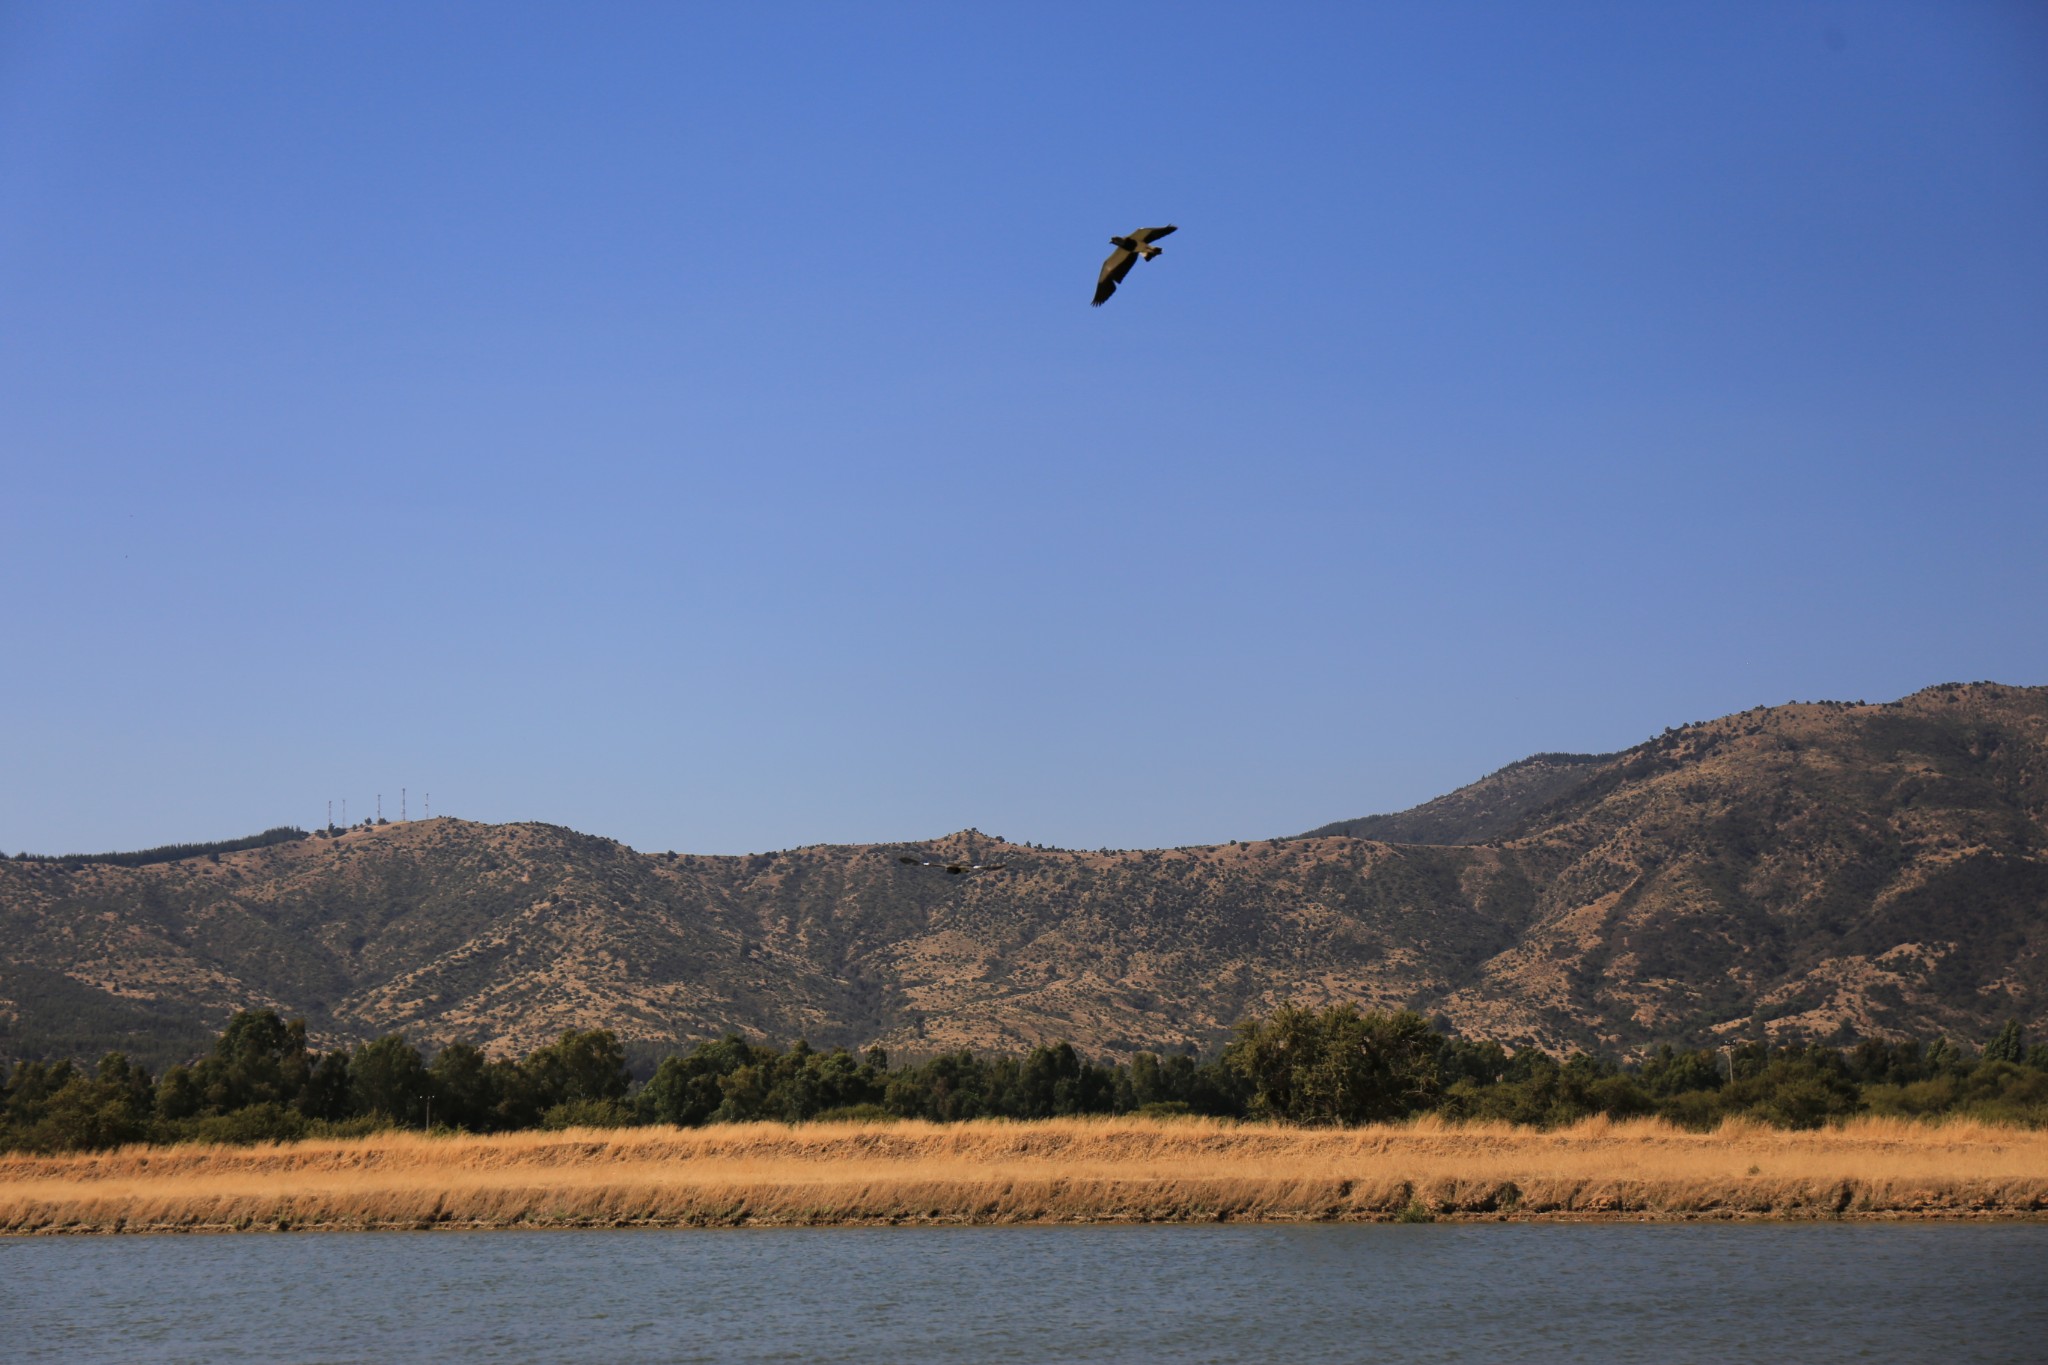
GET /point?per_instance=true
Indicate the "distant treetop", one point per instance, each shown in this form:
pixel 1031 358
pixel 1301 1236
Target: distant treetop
pixel 171 853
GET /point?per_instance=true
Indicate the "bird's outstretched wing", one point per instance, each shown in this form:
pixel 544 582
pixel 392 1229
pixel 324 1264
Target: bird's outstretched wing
pixel 1113 271
pixel 1151 234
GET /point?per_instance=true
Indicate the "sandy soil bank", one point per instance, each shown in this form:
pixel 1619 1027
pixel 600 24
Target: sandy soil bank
pixel 1051 1172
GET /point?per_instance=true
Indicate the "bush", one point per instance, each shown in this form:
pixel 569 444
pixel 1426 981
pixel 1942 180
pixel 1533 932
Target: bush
pixel 1698 1110
pixel 266 1122
pixel 589 1113
pixel 856 1113
pixel 1914 1100
pixel 1165 1109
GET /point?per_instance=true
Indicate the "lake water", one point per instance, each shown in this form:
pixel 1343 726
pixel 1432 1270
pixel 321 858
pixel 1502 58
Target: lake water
pixel 1457 1292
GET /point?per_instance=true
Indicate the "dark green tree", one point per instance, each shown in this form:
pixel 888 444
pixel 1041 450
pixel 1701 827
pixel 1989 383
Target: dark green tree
pixel 1668 1072
pixel 388 1079
pixel 1799 1088
pixel 328 1093
pixel 1943 1057
pixel 2007 1045
pixel 258 1059
pixel 465 1088
pixel 179 1094
pixel 1056 1081
pixel 31 1087
pixel 684 1090
pixel 949 1088
pixel 1881 1061
pixel 804 1083
pixel 578 1066
pixel 61 1109
pixel 105 1110
pixel 1337 1065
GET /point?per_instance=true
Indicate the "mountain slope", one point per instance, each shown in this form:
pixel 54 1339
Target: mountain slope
pixel 1796 870
pixel 1812 868
pixel 1492 808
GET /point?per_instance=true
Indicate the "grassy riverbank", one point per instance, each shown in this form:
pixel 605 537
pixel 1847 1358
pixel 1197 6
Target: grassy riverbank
pixel 1113 1170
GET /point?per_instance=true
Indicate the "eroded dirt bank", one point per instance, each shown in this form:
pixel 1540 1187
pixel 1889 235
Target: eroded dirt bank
pixel 1061 1171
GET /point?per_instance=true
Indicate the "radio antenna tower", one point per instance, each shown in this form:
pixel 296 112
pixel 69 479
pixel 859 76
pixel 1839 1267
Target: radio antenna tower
pixel 380 808
pixel 427 800
pixel 330 814
pixel 402 816
pixel 344 811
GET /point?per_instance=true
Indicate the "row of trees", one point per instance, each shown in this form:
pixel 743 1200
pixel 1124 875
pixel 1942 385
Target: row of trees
pixel 171 853
pixel 1331 1066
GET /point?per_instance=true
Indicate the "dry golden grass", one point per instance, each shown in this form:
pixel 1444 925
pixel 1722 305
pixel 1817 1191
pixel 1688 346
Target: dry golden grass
pixel 1084 1170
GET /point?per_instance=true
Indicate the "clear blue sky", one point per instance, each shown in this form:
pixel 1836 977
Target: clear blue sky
pixel 687 423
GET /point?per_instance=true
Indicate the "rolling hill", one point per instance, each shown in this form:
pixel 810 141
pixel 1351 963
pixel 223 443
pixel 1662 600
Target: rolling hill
pixel 1807 870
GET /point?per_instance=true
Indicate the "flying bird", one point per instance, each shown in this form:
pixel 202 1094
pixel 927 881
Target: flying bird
pixel 1128 250
pixel 955 869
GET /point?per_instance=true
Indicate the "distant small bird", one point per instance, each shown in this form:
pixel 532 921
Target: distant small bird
pixel 1128 250
pixel 954 868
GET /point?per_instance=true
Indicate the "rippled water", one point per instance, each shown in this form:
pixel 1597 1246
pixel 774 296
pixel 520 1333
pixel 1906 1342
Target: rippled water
pixel 1325 1293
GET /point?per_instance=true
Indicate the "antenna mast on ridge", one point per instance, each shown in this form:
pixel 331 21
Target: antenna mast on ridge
pixel 402 816
pixel 380 808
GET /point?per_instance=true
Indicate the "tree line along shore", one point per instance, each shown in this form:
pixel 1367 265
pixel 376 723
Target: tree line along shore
pixel 1332 1067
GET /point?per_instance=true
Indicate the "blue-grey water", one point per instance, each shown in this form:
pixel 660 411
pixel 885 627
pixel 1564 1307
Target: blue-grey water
pixel 1777 1292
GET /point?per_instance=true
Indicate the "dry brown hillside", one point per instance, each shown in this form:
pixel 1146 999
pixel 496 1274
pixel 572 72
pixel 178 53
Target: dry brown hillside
pixel 1797 869
pixel 1493 808
pixel 1812 868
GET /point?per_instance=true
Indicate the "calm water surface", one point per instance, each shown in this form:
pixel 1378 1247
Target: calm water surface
pixel 1327 1293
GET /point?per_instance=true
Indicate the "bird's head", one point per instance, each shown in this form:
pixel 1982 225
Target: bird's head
pixel 1126 243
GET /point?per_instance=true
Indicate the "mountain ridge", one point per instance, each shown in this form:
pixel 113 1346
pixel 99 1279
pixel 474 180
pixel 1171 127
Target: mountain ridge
pixel 1797 871
pixel 1478 812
